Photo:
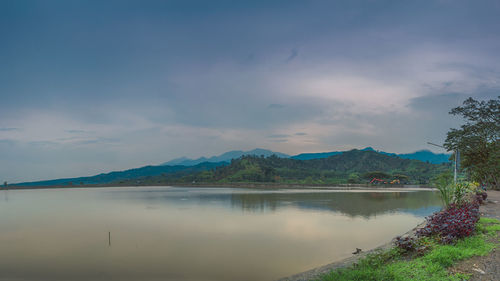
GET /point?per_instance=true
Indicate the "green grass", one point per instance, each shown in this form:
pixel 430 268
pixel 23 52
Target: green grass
pixel 433 265
pixel 489 226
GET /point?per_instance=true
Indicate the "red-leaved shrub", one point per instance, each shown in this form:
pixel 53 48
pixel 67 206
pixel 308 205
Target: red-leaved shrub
pixel 407 244
pixel 452 223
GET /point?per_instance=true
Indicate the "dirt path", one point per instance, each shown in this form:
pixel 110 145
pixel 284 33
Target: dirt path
pixel 487 267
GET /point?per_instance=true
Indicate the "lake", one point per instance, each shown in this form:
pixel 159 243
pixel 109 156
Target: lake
pixel 195 234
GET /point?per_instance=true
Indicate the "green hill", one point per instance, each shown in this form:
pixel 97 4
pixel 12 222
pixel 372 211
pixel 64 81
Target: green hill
pixel 131 176
pixel 355 166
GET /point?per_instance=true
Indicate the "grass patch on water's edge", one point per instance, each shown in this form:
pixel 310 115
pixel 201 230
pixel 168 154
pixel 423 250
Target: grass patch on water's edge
pixel 433 265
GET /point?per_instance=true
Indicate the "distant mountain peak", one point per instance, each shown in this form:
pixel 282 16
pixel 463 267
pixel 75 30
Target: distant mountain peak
pixel 224 157
pixel 422 155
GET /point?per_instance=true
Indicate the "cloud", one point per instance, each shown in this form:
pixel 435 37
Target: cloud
pixel 280 140
pixel 75 131
pixel 275 106
pixel 97 141
pixel 42 143
pixel 278 136
pixel 435 103
pixel 9 129
pixel 373 74
pixel 6 142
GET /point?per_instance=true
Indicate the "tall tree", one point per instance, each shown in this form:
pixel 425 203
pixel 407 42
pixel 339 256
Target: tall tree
pixel 478 140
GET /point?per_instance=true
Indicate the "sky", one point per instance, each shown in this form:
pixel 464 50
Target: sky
pixel 93 86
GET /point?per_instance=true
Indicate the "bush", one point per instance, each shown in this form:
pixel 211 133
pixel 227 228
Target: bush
pixel 481 196
pixel 412 245
pixel 460 191
pixel 443 183
pixel 407 244
pixel 455 222
pixel 452 192
pixel 484 195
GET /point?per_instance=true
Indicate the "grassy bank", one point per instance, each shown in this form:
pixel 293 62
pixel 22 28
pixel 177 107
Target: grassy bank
pixel 431 264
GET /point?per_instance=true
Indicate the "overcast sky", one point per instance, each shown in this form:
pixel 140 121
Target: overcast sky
pixel 93 86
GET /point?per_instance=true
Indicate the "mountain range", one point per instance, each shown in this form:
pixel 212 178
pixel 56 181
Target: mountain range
pixel 422 155
pixel 354 166
pixel 180 167
pixel 225 157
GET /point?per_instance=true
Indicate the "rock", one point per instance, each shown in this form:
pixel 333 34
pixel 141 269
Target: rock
pixel 479 270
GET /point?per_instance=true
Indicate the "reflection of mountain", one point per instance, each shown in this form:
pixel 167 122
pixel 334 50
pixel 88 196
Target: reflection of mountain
pixel 364 204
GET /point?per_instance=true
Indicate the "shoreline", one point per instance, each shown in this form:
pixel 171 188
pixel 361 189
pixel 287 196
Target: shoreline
pixel 489 210
pixel 311 274
pixel 236 185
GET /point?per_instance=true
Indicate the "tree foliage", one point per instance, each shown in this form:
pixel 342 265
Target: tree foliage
pixel 353 166
pixel 478 140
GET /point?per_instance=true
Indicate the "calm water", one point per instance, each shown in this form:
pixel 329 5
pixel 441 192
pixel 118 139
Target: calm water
pixel 169 233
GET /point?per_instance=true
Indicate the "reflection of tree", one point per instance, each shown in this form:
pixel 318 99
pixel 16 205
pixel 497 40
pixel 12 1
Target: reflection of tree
pixel 365 204
pixel 256 201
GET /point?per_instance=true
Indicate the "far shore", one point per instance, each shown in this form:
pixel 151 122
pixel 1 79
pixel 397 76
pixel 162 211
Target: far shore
pixel 238 185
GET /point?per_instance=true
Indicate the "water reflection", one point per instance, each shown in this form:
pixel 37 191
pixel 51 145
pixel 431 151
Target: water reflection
pixel 166 233
pixel 365 204
pixel 362 203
